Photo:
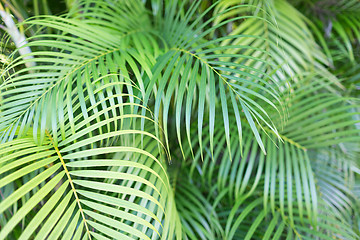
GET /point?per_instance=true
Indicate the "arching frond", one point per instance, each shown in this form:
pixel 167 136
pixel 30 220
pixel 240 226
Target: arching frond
pixel 286 39
pixel 72 62
pixel 168 119
pixel 199 219
pixel 123 185
pixel 321 119
pixel 335 179
pixel 213 74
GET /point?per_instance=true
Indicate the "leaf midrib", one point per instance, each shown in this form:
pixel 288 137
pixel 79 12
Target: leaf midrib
pixel 71 183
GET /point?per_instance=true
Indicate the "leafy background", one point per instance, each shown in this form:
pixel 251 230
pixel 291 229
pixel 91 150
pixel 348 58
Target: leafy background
pixel 166 119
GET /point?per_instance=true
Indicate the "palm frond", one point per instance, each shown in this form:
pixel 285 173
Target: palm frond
pixel 319 119
pixel 286 40
pixel 99 183
pixel 71 63
pixel 167 119
pixel 236 84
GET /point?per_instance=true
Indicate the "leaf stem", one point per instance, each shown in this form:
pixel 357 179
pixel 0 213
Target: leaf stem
pixel 71 183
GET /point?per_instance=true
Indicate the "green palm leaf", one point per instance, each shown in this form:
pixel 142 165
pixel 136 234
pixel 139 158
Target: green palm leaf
pixel 167 119
pixel 132 180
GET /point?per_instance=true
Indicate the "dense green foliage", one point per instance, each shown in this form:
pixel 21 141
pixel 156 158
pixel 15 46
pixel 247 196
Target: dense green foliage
pixel 166 119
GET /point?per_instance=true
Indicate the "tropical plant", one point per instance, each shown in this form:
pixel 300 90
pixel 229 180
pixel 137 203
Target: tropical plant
pixel 166 119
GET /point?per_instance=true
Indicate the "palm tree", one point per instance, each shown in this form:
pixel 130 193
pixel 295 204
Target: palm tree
pixel 169 119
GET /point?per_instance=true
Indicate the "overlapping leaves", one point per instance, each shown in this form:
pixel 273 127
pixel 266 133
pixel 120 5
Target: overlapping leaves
pixel 82 149
pixel 94 176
